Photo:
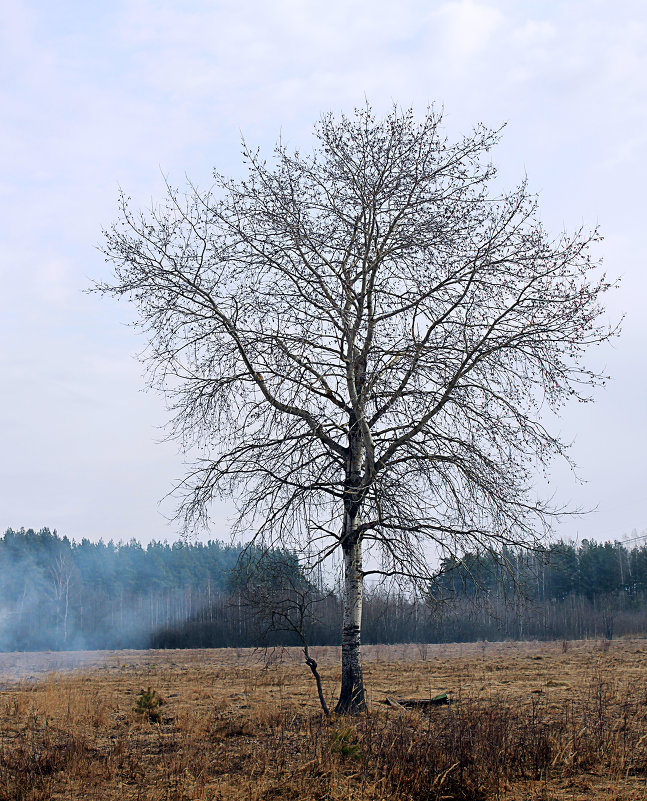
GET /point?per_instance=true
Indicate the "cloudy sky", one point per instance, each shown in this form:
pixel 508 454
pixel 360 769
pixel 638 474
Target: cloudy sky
pixel 97 96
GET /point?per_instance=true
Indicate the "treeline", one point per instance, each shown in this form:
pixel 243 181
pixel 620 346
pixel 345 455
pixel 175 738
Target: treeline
pixel 58 594
pixel 565 591
pixel 591 570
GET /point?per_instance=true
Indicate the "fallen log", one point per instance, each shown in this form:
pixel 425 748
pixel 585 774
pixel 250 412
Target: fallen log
pixel 418 703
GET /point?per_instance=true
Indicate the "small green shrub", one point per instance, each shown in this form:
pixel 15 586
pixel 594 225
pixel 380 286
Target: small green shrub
pixel 148 705
pixel 341 742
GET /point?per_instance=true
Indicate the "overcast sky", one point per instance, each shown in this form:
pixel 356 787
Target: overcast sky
pixel 97 96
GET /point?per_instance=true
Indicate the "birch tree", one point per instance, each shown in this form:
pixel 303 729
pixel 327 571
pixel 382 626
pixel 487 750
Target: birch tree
pixel 361 344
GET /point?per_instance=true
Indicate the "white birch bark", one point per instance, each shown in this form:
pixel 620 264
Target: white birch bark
pixel 351 697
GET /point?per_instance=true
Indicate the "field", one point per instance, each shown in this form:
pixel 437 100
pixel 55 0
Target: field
pixel 527 721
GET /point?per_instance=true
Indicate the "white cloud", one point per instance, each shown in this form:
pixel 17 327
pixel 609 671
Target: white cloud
pixel 467 28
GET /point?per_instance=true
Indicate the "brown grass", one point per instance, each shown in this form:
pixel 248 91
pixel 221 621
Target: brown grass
pixel 528 721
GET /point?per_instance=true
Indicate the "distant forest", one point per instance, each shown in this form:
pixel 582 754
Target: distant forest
pixel 60 594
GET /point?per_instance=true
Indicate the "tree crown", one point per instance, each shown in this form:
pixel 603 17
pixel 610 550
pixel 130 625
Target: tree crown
pixel 365 328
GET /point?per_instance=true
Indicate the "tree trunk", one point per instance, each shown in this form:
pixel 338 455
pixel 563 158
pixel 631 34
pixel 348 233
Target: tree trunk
pixel 351 696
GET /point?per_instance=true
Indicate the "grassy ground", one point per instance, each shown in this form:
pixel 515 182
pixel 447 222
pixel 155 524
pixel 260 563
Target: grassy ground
pixel 528 721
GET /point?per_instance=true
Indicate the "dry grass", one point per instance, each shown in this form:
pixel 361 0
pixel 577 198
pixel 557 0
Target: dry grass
pixel 529 721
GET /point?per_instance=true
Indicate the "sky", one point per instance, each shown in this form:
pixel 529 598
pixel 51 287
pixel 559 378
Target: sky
pixel 94 97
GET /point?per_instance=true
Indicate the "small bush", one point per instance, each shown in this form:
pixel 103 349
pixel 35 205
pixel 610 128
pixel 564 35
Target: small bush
pixel 342 743
pixel 148 705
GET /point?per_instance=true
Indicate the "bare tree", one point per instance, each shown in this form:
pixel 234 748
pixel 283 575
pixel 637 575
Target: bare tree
pixel 280 598
pixel 61 574
pixel 360 343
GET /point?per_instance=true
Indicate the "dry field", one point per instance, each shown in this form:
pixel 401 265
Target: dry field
pixel 528 721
